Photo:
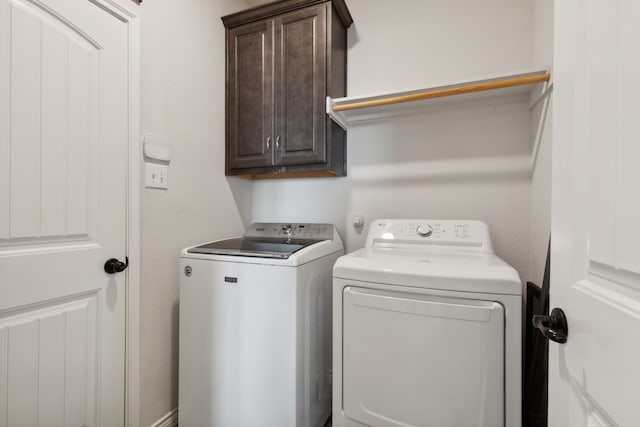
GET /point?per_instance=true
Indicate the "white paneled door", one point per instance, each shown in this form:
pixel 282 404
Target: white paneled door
pixel 63 187
pixel 595 269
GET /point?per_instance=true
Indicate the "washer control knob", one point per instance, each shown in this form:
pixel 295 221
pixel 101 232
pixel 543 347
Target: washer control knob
pixel 287 229
pixel 424 230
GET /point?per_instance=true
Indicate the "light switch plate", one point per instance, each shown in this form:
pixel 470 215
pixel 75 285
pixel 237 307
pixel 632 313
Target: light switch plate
pixel 156 176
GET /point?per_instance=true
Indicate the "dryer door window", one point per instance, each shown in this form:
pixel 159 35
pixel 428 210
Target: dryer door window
pixel 418 360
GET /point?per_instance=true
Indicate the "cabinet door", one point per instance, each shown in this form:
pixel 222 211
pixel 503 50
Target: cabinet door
pixel 250 95
pixel 301 87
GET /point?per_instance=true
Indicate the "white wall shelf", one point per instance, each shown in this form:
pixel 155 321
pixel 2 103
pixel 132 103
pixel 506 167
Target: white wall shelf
pixel 360 108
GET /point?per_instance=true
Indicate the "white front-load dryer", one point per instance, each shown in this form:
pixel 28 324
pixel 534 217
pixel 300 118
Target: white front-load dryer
pixel 427 329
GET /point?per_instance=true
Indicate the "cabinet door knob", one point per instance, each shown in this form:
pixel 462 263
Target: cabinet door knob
pixel 277 142
pixel 268 143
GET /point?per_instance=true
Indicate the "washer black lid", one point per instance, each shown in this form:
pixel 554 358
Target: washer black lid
pixel 254 247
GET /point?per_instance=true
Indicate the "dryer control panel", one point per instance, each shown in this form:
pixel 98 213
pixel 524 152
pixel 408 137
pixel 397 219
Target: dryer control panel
pixel 462 233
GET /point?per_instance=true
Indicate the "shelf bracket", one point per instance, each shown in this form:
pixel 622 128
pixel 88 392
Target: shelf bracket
pixel 546 91
pixel 337 117
pixel 544 98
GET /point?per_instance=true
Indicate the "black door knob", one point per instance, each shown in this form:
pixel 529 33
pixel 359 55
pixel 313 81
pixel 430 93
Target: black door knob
pixel 113 265
pixel 554 326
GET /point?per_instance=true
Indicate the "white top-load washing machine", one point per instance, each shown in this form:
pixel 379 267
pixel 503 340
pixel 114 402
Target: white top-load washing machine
pixel 255 328
pixel 426 329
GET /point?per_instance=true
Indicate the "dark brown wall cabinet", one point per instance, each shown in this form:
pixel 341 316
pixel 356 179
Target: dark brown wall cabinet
pixel 283 60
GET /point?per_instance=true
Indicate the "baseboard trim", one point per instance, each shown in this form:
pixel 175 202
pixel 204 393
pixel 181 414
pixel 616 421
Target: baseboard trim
pixel 169 420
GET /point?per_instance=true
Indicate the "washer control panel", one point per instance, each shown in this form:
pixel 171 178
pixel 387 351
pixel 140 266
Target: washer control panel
pixel 468 233
pixel 291 231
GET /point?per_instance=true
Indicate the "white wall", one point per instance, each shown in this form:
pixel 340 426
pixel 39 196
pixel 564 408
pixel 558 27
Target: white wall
pixel 542 54
pixel 416 43
pixel 183 84
pixel 469 162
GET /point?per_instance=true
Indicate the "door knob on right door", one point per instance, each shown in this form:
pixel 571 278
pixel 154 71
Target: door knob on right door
pixel 554 326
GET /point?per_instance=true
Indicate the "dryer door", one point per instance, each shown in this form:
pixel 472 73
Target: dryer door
pixel 420 360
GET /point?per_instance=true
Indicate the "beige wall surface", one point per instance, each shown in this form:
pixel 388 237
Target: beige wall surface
pixel 182 97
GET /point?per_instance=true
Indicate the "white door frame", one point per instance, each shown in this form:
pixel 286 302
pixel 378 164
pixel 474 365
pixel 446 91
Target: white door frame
pixel 129 15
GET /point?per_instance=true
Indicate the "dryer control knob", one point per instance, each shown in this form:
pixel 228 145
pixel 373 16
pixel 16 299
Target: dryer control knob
pixel 424 230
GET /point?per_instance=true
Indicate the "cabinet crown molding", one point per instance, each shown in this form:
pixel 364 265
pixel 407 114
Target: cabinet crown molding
pixel 284 6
